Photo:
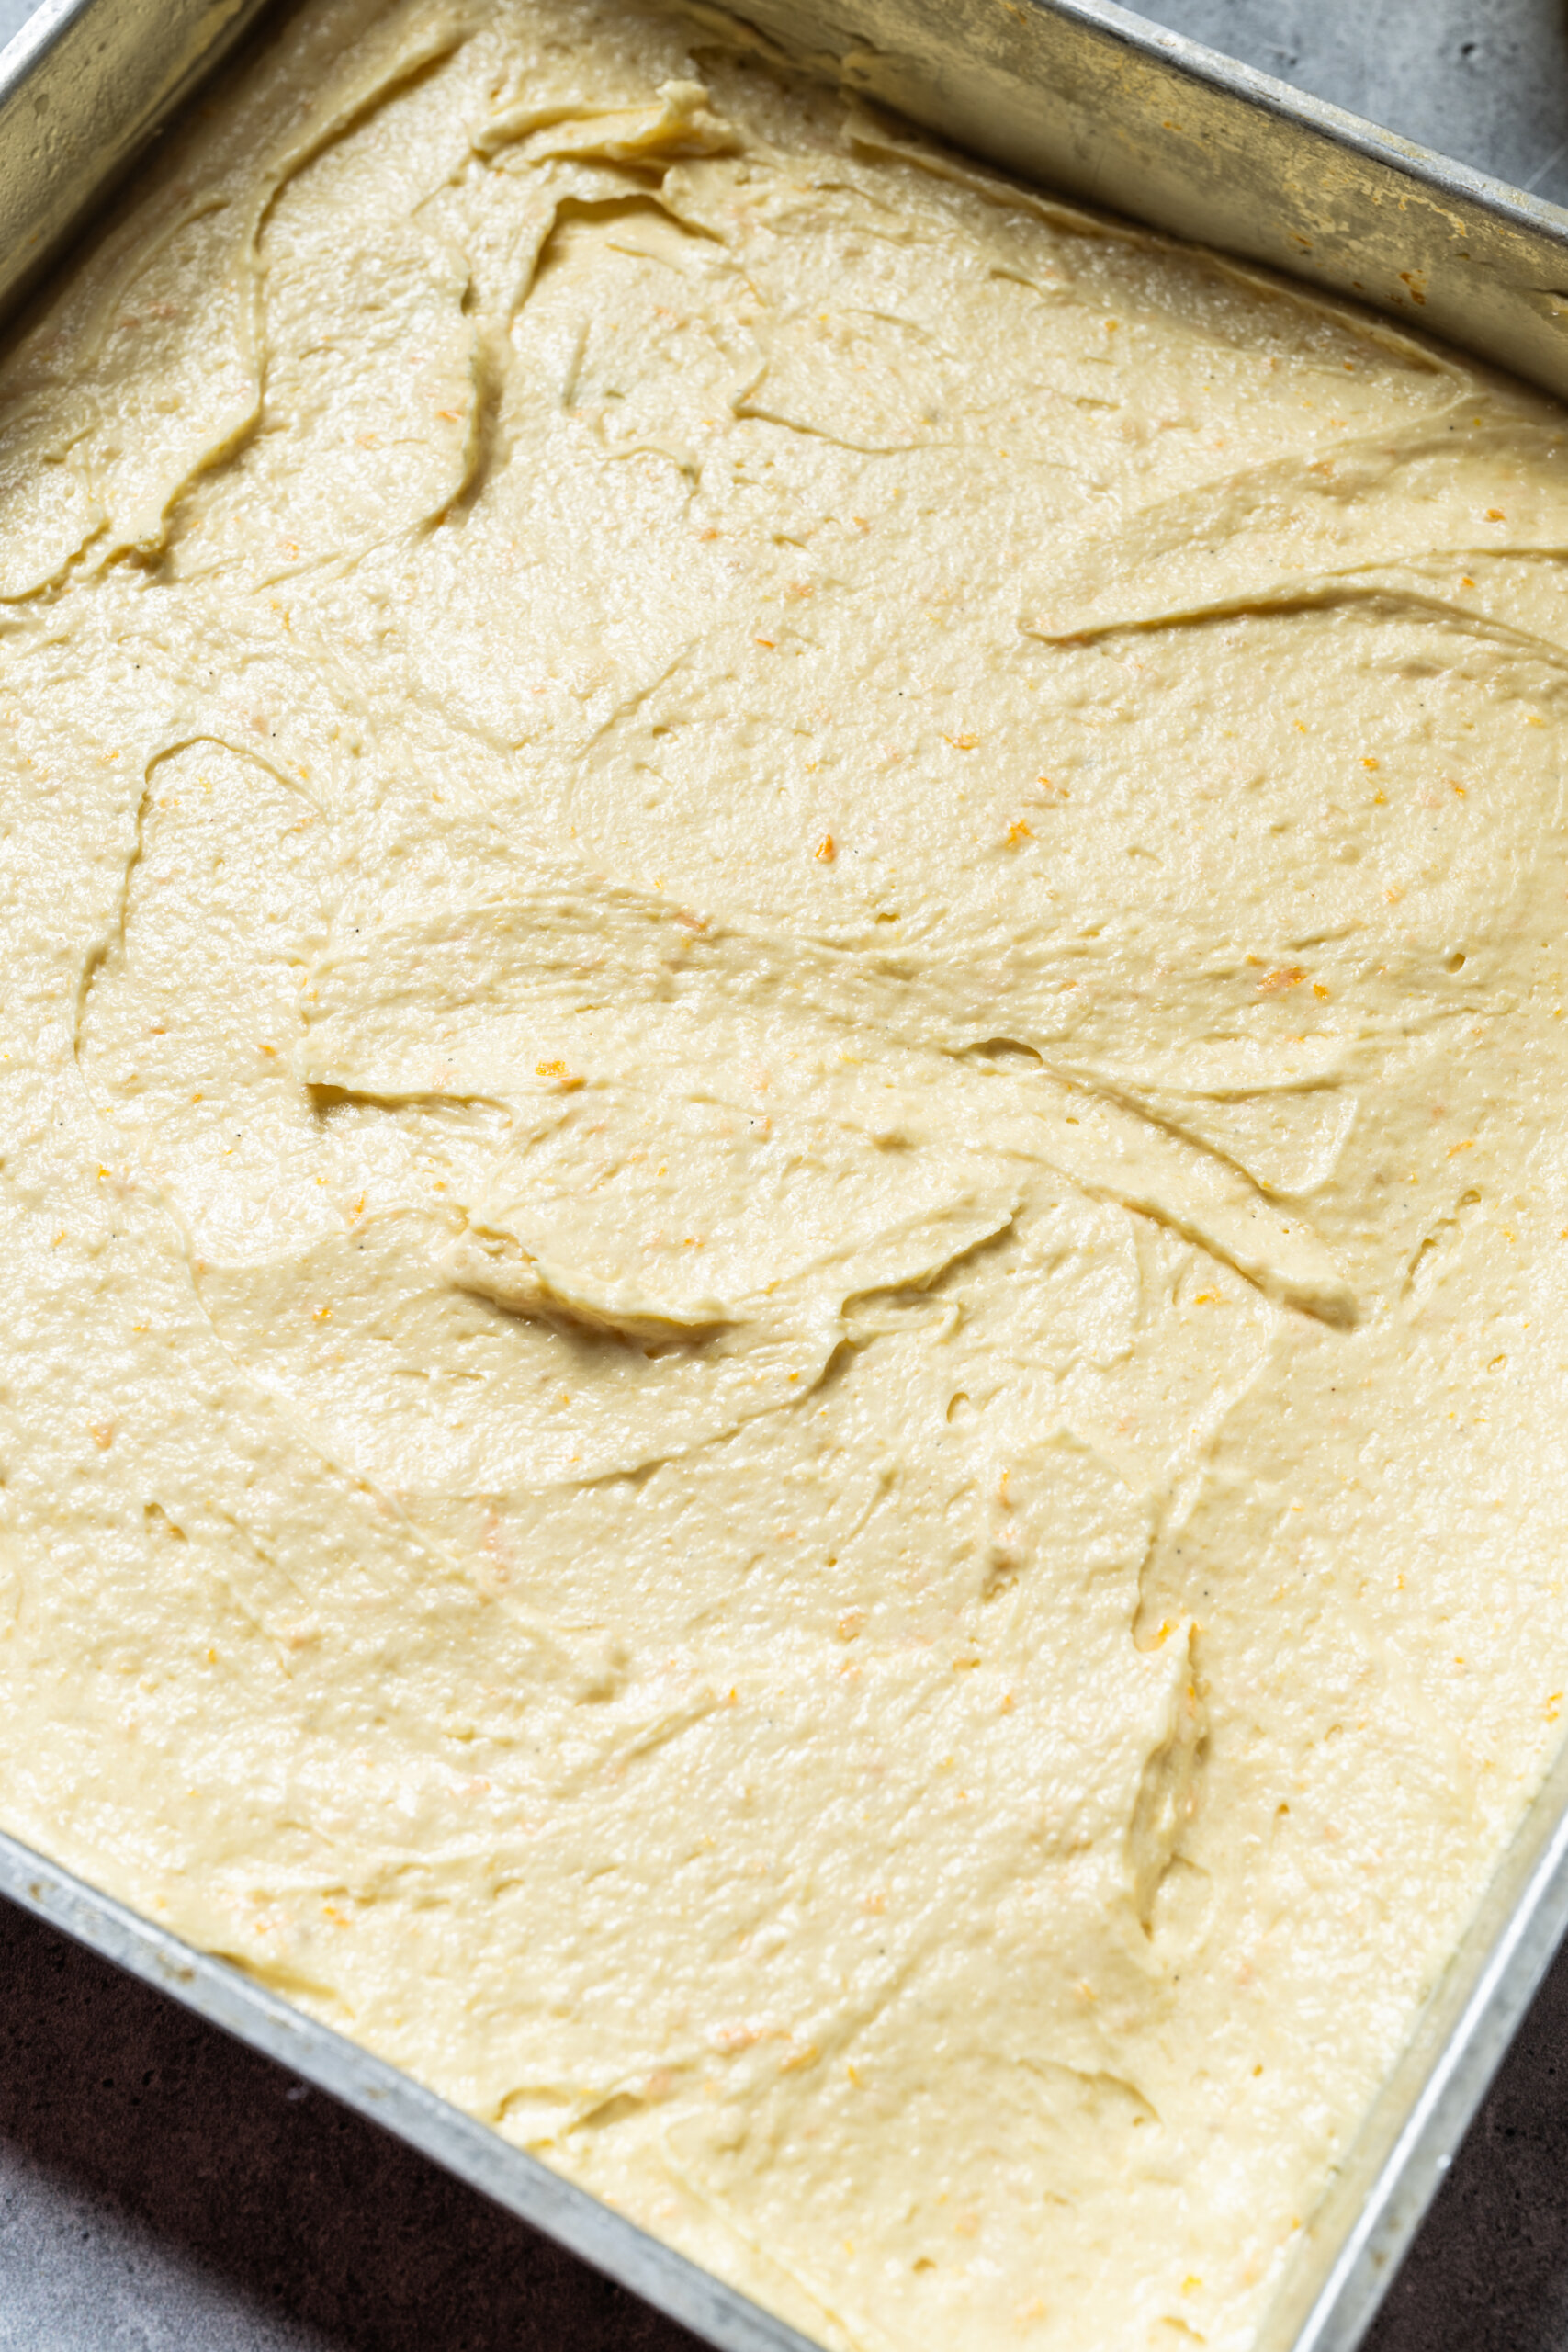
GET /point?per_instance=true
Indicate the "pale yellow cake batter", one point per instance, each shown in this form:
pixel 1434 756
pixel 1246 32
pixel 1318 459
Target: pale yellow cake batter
pixel 785 1133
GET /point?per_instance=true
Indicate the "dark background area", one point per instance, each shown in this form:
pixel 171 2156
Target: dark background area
pixel 162 2190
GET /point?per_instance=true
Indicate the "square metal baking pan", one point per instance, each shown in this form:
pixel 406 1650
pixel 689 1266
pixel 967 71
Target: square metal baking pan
pixel 1086 98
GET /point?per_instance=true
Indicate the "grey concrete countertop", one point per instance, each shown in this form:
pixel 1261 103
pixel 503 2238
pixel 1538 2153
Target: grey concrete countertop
pixel 162 2190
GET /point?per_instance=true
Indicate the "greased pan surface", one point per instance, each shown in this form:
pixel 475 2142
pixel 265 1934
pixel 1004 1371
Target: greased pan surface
pixel 1094 100
pixel 83 87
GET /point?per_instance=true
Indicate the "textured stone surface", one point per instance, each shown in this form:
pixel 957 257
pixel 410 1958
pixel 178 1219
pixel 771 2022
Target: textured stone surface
pixel 1481 80
pixel 163 2191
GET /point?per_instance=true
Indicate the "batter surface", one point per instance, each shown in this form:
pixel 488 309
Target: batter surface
pixel 784 1155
